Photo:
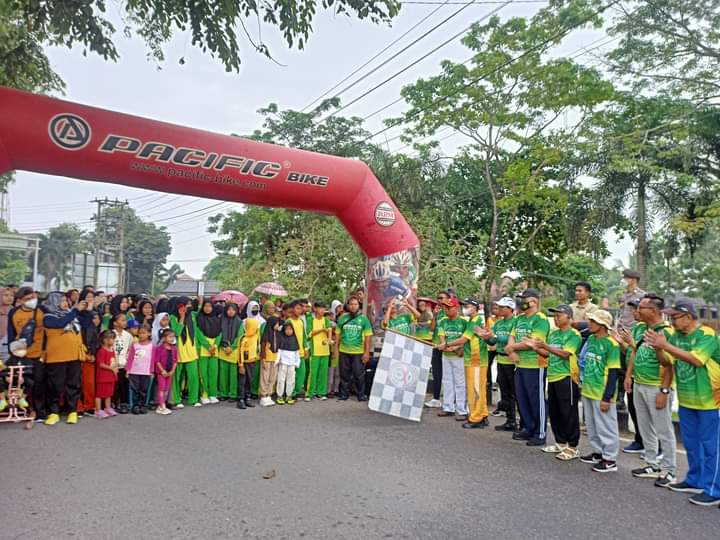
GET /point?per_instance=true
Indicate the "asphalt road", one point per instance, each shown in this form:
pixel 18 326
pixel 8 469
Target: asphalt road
pixel 338 471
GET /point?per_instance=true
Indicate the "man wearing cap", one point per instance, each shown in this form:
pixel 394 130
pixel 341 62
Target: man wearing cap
pixel 437 355
pixel 451 328
pixel 696 358
pixel 530 372
pixel 499 336
pixel 475 354
pixel 563 377
pixel 650 383
pixel 599 391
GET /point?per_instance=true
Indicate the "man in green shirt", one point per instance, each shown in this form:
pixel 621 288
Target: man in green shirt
pixel 352 349
pixel 649 377
pixel 498 337
pixel 400 316
pixel 530 372
pixel 563 377
pixel 695 352
pixel 451 328
pixel 599 393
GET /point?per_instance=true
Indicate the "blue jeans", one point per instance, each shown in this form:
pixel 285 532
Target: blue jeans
pixel 701 436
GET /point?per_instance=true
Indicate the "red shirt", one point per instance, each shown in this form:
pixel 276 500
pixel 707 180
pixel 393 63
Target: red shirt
pixel 105 358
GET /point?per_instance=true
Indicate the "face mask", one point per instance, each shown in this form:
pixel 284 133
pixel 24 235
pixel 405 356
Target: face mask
pixel 525 306
pixel 30 304
pixel 172 341
pixel 255 312
pixel 467 312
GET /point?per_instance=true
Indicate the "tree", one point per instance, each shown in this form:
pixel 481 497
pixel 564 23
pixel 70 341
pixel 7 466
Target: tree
pixel 507 102
pixel 13 264
pixel 56 250
pixel 214 27
pixel 166 276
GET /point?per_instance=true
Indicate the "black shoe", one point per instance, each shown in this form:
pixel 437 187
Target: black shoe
pixel 232 400
pixel 136 409
pixel 123 408
pixel 143 409
pixel 362 398
pixel 605 466
pixel 222 398
pixel 592 459
pixel 240 404
pixel 249 404
pixel 482 424
pixel 521 436
pixel 343 398
pixel 534 441
pixel 507 426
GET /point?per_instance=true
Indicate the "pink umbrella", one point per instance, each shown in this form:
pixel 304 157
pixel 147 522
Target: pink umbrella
pixel 271 289
pixel 231 296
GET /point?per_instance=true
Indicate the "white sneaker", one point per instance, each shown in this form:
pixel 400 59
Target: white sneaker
pixel 214 400
pixel 159 411
pixel 167 411
pixel 433 404
pixel 179 406
pixel 198 404
pixel 204 400
pixel 323 398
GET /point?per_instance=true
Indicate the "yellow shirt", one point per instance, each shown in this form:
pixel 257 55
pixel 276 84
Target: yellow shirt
pixel 299 327
pixel 187 352
pixel 320 345
pixel 249 342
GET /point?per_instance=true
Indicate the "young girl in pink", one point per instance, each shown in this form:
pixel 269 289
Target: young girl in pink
pixel 164 364
pixel 106 369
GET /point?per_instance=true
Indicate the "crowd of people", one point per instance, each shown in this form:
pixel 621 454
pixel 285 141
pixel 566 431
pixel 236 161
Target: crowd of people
pixel 85 352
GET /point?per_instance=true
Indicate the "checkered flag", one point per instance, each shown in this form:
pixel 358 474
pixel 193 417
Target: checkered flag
pixel 401 377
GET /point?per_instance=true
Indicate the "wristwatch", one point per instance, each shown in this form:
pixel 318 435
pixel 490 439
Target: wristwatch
pixel 665 391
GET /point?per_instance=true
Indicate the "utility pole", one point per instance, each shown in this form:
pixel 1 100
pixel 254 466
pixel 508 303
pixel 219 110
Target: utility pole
pixel 110 236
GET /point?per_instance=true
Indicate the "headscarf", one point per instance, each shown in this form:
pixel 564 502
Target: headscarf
pixel 208 324
pixel 285 342
pixel 140 317
pixel 4 312
pixel 162 306
pixel 156 328
pixel 52 304
pixel 230 325
pixel 248 311
pixel 270 335
pixel 333 307
pixel 91 334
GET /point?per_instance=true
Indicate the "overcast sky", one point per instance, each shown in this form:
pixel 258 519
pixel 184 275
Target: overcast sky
pixel 201 94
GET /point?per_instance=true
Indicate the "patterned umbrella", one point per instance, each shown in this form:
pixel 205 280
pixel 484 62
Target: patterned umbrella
pixel 231 296
pixel 271 289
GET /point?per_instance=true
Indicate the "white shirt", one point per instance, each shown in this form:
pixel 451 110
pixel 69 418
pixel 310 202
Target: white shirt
pixel 122 347
pixel 289 358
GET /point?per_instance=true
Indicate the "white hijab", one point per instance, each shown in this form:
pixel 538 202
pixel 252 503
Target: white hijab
pixel 156 327
pixel 248 312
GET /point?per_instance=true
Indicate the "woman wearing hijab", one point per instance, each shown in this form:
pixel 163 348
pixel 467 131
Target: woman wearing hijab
pixel 269 353
pixel 182 321
pixel 231 331
pixel 208 342
pixel 333 386
pixel 161 322
pixel 62 354
pixel 248 353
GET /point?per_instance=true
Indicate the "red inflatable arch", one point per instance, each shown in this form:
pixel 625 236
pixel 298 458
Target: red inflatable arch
pixel 52 136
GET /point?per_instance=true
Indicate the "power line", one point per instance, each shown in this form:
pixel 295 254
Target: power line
pixel 558 35
pixel 413 27
pixel 412 64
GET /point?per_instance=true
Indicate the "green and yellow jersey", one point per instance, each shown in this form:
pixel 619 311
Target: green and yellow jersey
pixel 698 387
pixel 559 368
pixel 319 342
pixel 452 329
pixel 601 355
pixel 351 332
pixel 534 326
pixel 475 352
pixel 401 324
pixel 646 367
pixel 502 329
pixel 439 318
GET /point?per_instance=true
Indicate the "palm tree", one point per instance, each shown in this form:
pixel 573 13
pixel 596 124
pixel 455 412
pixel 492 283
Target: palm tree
pixel 56 250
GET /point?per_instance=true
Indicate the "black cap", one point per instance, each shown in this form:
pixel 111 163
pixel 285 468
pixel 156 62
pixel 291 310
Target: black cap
pixel 562 308
pixel 471 302
pixel 682 307
pixel 529 293
pixel 633 303
pixel 629 273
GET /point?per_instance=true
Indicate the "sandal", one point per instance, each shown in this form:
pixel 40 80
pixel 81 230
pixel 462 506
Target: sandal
pixel 554 449
pixel 568 454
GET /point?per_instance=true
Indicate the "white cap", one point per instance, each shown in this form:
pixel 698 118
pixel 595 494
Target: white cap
pixel 505 301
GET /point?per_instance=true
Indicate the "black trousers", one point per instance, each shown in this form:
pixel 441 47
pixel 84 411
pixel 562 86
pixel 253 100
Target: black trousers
pixel 122 388
pixel 563 397
pixel 139 389
pixel 489 392
pixel 506 382
pixel 352 375
pixel 245 380
pixel 633 415
pixel 436 368
pixel 63 380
